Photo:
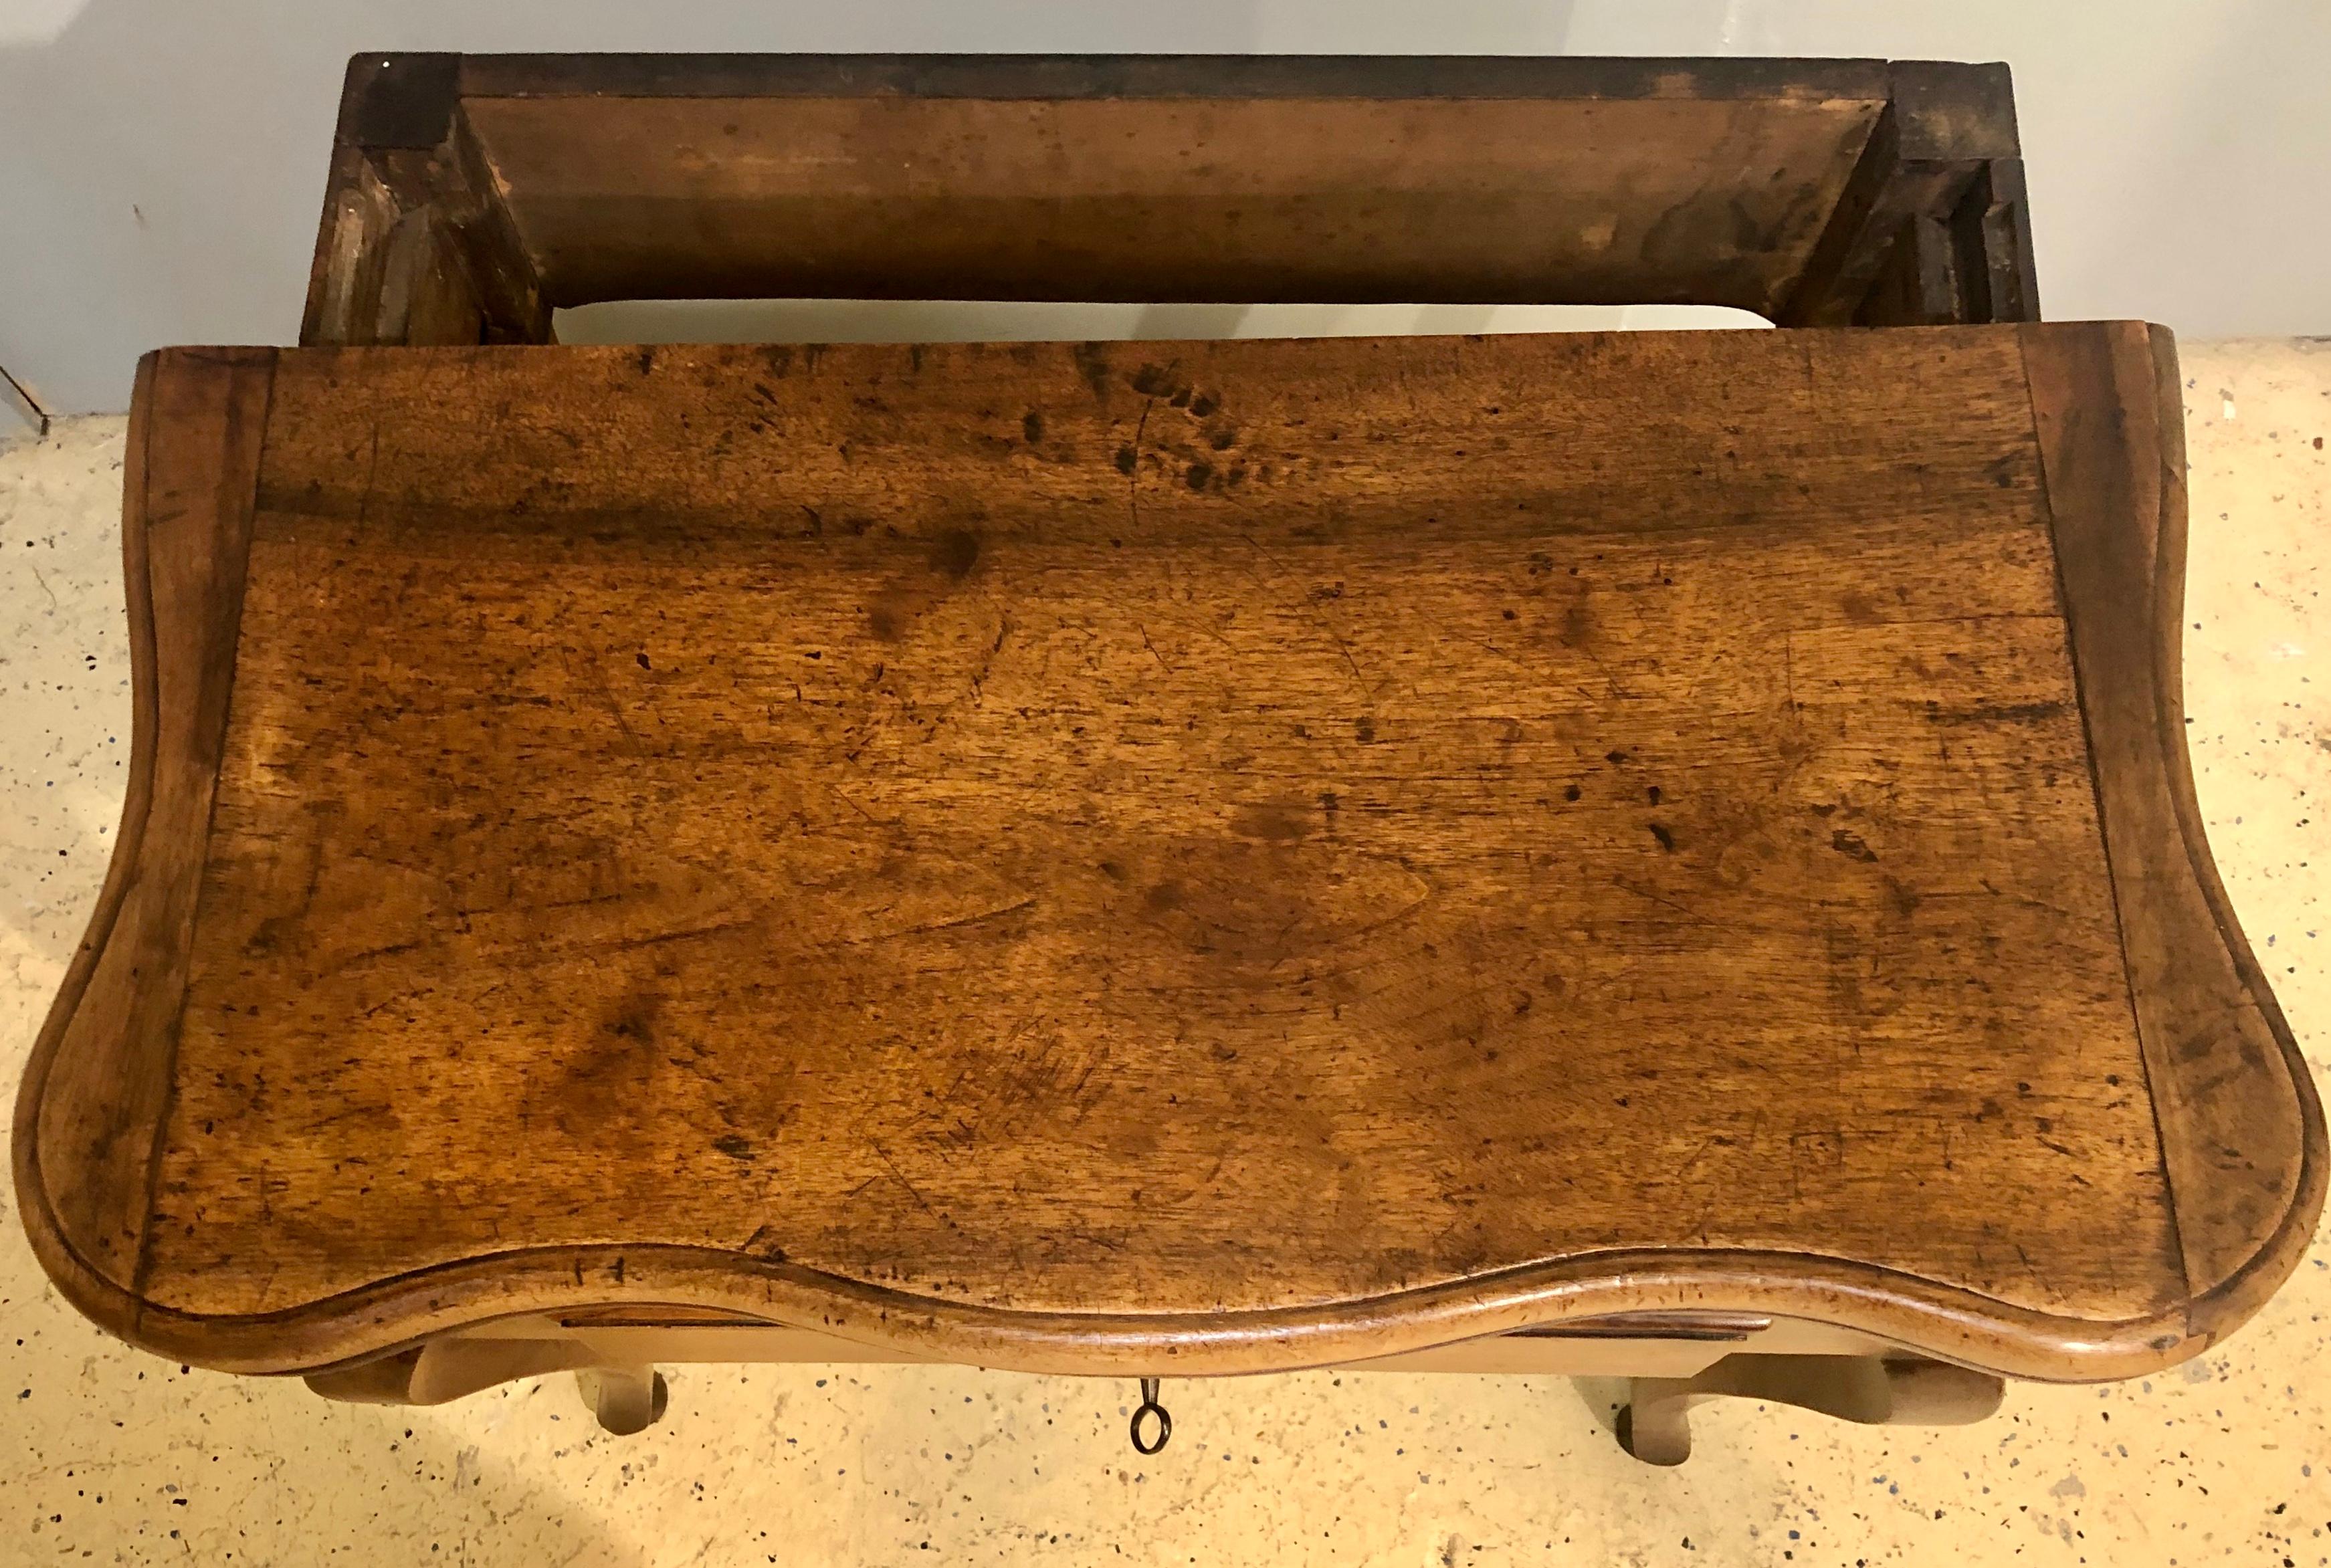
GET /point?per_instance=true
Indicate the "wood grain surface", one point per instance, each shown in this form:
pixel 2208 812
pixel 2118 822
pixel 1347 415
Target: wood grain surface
pixel 469 195
pixel 1661 198
pixel 1233 855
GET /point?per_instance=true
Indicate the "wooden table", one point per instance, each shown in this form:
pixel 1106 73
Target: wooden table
pixel 1663 853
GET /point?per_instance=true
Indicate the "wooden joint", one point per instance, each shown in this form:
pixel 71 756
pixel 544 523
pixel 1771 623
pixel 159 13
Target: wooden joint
pixel 1991 235
pixel 415 245
pixel 1932 226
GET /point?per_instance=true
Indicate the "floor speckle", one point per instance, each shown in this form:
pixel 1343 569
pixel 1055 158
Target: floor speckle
pixel 111 1455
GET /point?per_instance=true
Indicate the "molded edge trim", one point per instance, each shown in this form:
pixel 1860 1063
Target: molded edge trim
pixel 1945 1322
pixel 95 1099
pixel 2241 1128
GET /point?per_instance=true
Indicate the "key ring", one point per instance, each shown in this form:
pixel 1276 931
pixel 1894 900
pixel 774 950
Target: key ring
pixel 1149 1406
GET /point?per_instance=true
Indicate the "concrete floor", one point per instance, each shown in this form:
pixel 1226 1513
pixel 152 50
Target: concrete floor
pixel 107 1455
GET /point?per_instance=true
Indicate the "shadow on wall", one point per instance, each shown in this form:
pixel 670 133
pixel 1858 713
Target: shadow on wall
pixel 170 159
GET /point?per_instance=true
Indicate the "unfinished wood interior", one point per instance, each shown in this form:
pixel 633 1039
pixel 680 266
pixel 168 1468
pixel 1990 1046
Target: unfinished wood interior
pixel 471 197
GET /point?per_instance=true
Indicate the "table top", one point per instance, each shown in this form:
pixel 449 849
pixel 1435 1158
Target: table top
pixel 1196 856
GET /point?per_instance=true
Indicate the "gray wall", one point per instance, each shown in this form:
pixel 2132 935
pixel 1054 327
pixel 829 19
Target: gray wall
pixel 162 161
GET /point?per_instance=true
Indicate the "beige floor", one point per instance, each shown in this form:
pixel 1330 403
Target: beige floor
pixel 107 1455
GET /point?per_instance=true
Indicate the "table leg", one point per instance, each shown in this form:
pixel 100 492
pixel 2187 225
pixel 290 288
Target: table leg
pixel 1873 1391
pixel 626 1399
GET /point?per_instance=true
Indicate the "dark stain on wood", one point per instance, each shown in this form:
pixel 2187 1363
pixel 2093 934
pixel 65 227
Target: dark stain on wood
pixel 954 553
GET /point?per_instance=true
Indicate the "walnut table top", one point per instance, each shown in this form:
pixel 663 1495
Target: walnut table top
pixel 1210 856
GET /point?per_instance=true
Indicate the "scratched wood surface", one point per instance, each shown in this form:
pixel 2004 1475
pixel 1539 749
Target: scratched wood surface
pixel 1068 854
pixel 1174 827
